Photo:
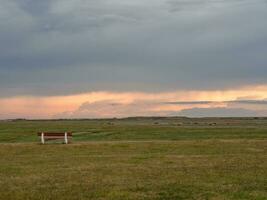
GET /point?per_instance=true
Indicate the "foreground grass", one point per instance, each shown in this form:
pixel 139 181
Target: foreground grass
pixel 191 169
pixel 136 158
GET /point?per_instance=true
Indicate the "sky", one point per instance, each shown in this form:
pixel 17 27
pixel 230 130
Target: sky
pixel 121 58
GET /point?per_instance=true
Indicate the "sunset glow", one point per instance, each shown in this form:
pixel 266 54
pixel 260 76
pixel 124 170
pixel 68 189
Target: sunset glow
pixel 118 104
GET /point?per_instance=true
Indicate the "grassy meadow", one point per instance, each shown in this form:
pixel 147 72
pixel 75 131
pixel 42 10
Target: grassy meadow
pixel 136 158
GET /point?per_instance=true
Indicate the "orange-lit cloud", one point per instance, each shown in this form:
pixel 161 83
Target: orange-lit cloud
pixel 123 104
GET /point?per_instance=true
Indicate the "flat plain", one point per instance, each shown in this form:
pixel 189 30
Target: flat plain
pixel 136 158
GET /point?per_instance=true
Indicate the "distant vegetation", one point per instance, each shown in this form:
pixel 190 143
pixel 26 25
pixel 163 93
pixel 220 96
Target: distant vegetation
pixel 139 128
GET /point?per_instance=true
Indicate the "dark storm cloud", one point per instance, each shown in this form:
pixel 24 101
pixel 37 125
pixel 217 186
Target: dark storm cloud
pixel 71 46
pixel 181 5
pixel 35 7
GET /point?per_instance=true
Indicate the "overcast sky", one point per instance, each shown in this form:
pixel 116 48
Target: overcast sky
pixel 69 47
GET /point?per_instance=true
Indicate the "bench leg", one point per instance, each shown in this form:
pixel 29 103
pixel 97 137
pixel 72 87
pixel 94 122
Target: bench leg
pixel 66 138
pixel 42 138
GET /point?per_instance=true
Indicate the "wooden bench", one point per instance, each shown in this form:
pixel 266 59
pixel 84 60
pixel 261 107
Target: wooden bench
pixel 55 136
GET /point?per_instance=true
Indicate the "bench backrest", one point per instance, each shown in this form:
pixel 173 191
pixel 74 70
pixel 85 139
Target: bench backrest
pixel 54 134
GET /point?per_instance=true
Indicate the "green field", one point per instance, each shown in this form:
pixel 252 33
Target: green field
pixel 136 158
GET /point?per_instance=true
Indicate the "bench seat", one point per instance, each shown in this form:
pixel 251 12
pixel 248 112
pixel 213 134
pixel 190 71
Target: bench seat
pixel 66 136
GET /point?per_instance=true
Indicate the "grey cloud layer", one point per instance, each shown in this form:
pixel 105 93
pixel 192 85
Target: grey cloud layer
pixel 252 102
pixel 220 112
pixel 111 108
pixel 70 46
